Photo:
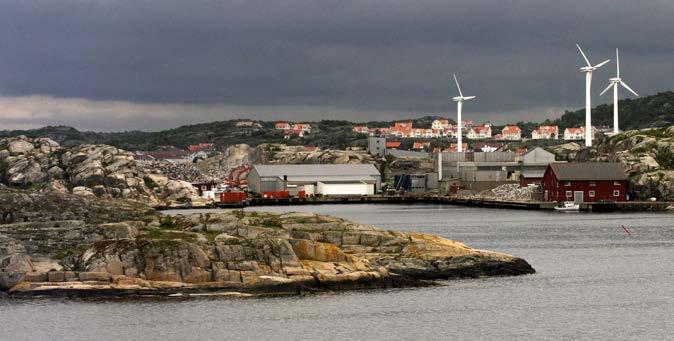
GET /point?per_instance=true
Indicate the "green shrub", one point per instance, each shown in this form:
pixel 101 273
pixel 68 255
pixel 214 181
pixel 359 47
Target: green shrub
pixel 150 183
pixel 665 159
pixel 168 222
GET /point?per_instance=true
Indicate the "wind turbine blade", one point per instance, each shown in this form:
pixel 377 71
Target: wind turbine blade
pixel 584 57
pixel 628 88
pixel 457 85
pixel 601 64
pixel 608 87
pixel 469 97
pixel 617 63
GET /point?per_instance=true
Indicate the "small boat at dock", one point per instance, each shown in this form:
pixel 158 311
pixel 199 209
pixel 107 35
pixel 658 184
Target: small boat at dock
pixel 567 206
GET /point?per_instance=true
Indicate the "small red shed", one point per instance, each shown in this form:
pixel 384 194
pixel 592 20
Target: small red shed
pixel 584 182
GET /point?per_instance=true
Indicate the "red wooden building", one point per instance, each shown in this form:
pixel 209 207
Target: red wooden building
pixel 584 182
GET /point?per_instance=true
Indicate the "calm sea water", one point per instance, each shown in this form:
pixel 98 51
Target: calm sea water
pixel 594 282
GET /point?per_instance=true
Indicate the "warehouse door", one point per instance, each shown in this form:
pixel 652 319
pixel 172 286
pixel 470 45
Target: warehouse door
pixel 578 197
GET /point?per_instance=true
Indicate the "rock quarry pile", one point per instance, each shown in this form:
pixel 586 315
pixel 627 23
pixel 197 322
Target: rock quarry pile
pixel 183 171
pixel 87 170
pixel 232 252
pixel 647 156
pixel 507 192
pixel 282 154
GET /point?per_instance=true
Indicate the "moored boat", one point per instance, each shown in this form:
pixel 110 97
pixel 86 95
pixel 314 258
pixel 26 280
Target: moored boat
pixel 567 206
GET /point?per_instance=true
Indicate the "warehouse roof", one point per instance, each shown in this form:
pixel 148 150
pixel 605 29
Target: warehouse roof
pixel 589 171
pixel 317 170
pixel 533 173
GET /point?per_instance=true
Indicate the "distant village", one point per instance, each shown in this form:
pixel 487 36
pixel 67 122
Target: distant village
pixel 443 128
pixel 484 167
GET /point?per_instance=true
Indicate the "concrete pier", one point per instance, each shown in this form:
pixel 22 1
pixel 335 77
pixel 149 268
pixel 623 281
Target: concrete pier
pixel 475 202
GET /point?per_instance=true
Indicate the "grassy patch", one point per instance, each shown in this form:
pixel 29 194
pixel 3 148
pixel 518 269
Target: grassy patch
pixel 655 132
pixel 159 234
pixel 168 223
pixel 210 235
pixel 665 158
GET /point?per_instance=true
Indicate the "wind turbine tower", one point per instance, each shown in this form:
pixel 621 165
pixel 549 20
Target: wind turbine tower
pixel 588 83
pixel 459 104
pixel 614 82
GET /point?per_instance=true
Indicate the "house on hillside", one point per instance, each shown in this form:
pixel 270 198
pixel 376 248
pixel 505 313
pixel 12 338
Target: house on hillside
pixel 511 133
pixel 282 125
pixel 585 182
pixel 402 129
pixel 361 130
pixel 545 132
pixel 303 127
pixel 440 124
pixel 421 145
pixel 453 147
pixel 479 133
pixel 571 134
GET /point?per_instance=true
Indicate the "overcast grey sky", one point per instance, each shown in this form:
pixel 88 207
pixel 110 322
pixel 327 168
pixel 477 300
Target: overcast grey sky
pixel 141 64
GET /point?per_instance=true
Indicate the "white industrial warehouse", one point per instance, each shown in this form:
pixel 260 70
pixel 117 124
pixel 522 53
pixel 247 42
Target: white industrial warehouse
pixel 328 179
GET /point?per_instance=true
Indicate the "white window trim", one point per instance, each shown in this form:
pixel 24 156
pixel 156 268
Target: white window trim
pixel 591 194
pixel 569 194
pixel 616 193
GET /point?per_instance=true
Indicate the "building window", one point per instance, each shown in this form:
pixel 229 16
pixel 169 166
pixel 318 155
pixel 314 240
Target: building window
pixel 568 183
pixel 591 194
pixel 593 183
pixel 568 194
pixel 616 193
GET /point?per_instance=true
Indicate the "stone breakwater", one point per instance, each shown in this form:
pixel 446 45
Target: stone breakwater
pixel 227 253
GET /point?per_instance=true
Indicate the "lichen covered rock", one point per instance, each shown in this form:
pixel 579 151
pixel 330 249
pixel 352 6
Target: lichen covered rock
pixel 250 252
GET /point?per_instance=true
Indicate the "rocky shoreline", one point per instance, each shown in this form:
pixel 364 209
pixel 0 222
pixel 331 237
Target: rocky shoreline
pixel 233 253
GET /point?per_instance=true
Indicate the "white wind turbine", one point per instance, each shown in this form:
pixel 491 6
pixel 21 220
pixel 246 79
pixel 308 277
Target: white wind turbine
pixel 588 82
pixel 614 82
pixel 459 103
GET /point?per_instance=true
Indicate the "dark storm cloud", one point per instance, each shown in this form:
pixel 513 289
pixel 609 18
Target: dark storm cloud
pixel 384 59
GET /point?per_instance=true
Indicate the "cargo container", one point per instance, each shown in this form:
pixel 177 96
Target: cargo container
pixel 276 195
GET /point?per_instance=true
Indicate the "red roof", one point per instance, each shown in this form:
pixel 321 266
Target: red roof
pixel 511 130
pixel 421 145
pixel 453 147
pixel 393 144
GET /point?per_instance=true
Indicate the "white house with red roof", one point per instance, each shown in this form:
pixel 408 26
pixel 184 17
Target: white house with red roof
pixel 361 129
pixel 511 133
pixel 440 124
pixel 282 125
pixel 304 127
pixel 574 134
pixel 421 145
pixel 453 147
pixel 545 132
pixel 479 132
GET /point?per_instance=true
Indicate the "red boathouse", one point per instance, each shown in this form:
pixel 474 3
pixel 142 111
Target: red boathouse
pixel 584 182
